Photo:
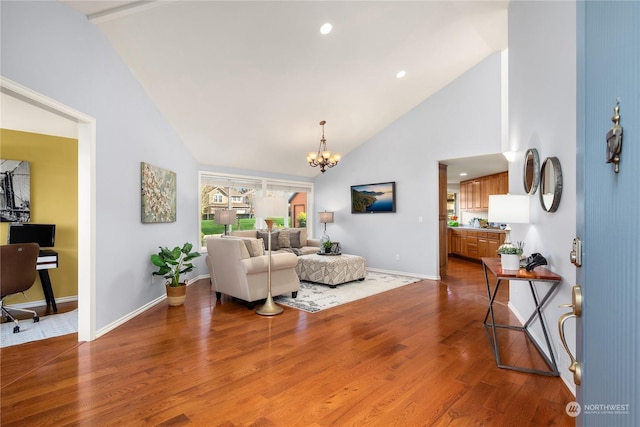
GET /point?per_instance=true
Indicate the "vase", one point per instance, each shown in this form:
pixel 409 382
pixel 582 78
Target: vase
pixel 510 261
pixel 176 295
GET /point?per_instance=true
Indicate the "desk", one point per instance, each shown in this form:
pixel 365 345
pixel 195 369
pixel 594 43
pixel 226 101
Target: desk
pixel 539 274
pixel 47 259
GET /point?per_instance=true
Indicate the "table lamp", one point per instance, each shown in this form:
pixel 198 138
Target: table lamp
pixel 267 208
pixel 226 217
pixel 509 209
pixel 325 218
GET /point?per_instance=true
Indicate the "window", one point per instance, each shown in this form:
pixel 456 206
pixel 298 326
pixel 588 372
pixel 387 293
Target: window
pixel 221 191
pixel 297 201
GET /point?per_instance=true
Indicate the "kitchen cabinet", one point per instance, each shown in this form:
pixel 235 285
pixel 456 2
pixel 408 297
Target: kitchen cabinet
pixel 456 241
pixel 488 243
pixel 466 195
pixel 463 197
pixel 476 190
pixel 471 248
pixel 463 243
pixel 494 240
pixel 503 183
pixel 483 244
pixel 474 193
pixel 475 244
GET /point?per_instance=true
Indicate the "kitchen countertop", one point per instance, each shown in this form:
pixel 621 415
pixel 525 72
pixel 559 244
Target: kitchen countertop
pixel 468 227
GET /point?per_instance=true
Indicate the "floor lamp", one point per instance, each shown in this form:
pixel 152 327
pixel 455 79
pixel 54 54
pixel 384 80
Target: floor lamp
pixel 268 207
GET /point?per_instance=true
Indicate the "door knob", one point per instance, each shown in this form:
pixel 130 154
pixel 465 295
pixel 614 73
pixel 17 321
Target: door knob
pixel 576 301
pixel 576 305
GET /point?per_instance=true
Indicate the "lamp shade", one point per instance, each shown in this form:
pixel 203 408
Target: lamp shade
pixel 225 216
pixel 509 209
pixel 267 207
pixel 326 217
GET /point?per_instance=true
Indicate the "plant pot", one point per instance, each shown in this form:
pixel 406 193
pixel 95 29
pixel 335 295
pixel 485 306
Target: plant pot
pixel 176 294
pixel 510 261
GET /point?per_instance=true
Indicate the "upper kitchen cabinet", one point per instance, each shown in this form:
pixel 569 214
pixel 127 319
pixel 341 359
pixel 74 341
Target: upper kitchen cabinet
pixel 474 193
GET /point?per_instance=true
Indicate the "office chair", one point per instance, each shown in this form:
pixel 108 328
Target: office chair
pixel 17 274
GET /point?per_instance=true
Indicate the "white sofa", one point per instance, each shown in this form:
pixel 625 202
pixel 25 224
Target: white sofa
pixel 292 240
pixel 237 274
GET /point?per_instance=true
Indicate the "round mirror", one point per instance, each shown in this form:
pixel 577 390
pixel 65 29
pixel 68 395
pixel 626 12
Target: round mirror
pixel 550 184
pixel 531 172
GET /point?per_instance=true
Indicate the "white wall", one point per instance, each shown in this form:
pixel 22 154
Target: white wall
pixel 51 49
pixel 461 120
pixel 542 115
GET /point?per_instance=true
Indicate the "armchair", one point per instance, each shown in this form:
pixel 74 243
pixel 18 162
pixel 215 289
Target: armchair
pixel 233 272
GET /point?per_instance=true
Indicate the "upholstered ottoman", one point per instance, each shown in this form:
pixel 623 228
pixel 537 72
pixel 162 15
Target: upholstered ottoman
pixel 331 270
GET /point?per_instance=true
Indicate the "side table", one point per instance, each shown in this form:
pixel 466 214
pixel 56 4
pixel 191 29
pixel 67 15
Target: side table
pixel 538 274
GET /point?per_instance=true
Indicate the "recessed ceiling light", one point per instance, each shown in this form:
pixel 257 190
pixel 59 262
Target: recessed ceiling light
pixel 326 28
pixel 401 74
pixel 463 174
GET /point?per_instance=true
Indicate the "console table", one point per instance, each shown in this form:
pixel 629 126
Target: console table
pixel 538 274
pixel 47 259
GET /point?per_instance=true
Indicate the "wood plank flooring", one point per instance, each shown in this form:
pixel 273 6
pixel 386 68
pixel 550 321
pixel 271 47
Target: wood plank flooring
pixel 414 356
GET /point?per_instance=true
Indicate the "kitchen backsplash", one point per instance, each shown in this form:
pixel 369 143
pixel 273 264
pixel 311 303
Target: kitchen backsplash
pixel 469 216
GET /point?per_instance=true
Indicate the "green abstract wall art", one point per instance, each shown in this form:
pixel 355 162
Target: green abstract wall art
pixel 158 194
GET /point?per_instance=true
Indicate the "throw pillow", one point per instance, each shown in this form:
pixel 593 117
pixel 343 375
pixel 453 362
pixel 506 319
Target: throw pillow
pixel 284 239
pixel 254 246
pixel 294 239
pixel 264 235
pixel 245 252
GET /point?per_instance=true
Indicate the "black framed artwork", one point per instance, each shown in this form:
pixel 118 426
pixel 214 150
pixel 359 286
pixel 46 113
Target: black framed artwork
pixel 373 198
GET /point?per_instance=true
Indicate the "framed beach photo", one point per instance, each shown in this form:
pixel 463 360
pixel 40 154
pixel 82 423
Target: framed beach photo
pixel 373 198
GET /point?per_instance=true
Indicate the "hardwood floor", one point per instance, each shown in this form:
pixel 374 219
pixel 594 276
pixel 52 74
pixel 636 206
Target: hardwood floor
pixel 414 356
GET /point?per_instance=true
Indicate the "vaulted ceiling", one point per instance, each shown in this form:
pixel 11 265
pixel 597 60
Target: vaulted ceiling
pixel 245 84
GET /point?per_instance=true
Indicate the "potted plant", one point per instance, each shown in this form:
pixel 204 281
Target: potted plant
pixel 302 219
pixel 510 256
pixel 171 264
pixel 326 245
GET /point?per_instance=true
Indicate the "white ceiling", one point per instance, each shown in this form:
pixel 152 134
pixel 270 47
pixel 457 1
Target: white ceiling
pixel 245 84
pixel 475 167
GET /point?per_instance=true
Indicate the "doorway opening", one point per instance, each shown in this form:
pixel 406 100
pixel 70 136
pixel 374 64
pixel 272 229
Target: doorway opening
pixel 86 198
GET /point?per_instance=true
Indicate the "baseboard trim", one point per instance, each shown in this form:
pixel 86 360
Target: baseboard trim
pixel 121 321
pixel 403 273
pixel 42 302
pixel 124 319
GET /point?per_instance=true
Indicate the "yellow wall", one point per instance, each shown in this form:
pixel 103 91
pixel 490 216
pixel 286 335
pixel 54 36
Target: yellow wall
pixel 54 200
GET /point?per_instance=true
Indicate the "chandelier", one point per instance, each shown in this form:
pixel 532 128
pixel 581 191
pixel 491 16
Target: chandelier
pixel 323 158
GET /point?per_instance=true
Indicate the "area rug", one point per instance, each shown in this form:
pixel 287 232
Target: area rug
pixel 314 297
pixel 48 327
